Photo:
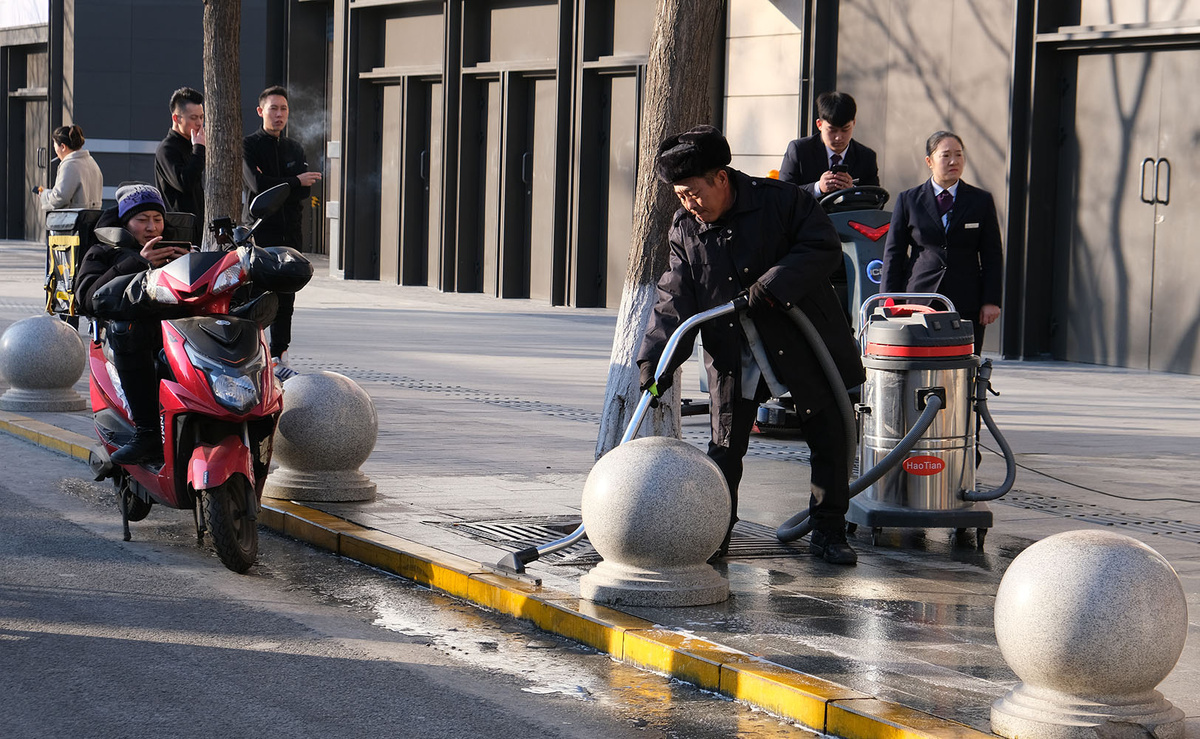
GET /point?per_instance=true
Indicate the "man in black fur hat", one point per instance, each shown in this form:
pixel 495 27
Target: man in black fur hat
pixel 739 234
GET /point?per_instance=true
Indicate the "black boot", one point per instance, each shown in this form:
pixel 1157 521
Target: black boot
pixel 145 446
pixel 832 547
pixel 133 358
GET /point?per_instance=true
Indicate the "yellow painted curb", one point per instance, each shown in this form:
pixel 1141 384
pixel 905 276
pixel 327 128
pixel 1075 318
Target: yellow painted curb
pixel 47 436
pixel 869 718
pixel 812 701
pixel 794 695
pixel 695 660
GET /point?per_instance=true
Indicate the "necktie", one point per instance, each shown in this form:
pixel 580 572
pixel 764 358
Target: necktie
pixel 835 160
pixel 945 202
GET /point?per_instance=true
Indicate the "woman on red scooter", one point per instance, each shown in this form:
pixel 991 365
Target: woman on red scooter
pixel 140 211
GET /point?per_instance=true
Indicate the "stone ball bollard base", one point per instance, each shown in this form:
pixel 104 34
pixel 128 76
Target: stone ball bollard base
pixel 655 509
pixel 42 358
pixel 1091 622
pixel 327 430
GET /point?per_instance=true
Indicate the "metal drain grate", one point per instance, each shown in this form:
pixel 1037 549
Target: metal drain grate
pixel 750 540
pixel 1094 514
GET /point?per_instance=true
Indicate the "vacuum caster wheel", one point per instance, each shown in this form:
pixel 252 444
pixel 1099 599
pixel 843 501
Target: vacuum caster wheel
pixel 876 532
pixel 980 535
pixel 851 528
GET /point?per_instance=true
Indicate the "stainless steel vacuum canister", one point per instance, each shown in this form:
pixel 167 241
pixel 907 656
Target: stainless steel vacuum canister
pixel 911 353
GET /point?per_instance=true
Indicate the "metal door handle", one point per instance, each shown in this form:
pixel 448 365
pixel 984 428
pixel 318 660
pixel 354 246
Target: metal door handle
pixel 527 168
pixel 425 165
pixel 1142 194
pixel 1165 200
pixel 41 157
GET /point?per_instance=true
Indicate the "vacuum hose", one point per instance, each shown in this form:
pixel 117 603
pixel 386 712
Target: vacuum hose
pixel 516 561
pixel 800 524
pixel 982 385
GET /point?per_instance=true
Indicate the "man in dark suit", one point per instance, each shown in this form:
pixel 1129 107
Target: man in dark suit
pixel 945 238
pixel 732 234
pixel 811 162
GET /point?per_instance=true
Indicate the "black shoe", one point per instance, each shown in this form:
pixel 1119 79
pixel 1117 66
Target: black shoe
pixel 145 446
pixel 832 548
pixel 723 550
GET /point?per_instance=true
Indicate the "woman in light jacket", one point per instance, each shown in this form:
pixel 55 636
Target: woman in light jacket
pixel 79 183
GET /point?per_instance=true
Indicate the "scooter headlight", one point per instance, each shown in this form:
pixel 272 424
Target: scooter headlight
pixel 237 388
pixel 229 278
pixel 159 293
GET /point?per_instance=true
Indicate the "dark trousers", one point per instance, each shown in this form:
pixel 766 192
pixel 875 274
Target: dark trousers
pixel 135 345
pixel 281 328
pixel 829 488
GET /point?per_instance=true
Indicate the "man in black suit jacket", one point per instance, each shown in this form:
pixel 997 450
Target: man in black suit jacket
pixel 953 247
pixel 809 162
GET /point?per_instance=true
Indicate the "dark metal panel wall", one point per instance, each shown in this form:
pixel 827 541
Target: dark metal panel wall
pixel 16 45
pixel 1108 277
pixel 612 49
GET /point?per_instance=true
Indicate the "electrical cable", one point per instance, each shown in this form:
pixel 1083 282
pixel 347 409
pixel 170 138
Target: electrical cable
pixel 1091 490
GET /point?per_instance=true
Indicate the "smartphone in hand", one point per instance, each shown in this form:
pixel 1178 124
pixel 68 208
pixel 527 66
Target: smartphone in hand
pixel 839 168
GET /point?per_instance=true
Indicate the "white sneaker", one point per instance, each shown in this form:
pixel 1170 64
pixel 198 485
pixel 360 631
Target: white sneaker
pixel 281 369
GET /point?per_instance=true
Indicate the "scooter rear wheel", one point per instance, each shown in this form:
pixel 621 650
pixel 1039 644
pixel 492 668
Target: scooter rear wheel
pixel 231 520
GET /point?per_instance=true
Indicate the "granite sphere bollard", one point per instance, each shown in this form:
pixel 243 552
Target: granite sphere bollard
pixel 655 509
pixel 1091 622
pixel 42 357
pixel 326 431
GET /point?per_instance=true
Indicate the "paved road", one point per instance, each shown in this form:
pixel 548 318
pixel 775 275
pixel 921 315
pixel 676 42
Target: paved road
pixel 101 638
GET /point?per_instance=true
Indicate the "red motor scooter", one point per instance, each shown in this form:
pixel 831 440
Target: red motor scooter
pixel 219 399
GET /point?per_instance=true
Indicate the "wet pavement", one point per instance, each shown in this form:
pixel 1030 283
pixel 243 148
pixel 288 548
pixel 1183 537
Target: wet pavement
pixel 489 412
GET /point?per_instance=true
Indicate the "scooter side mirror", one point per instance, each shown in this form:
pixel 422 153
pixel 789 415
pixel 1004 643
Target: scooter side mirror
pixel 270 200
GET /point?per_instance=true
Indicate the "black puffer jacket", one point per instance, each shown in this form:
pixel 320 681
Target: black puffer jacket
pixel 103 263
pixel 777 234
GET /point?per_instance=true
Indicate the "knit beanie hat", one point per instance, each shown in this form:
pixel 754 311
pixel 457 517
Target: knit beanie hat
pixel 136 198
pixel 691 154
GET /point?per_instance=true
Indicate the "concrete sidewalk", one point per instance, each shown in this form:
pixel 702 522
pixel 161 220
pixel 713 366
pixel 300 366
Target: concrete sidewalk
pixel 489 412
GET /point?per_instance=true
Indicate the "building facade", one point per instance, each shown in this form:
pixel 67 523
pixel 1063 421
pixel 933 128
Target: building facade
pixel 491 145
pixel 110 66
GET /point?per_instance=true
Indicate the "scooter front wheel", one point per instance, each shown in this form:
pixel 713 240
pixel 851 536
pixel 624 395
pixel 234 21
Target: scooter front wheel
pixel 230 515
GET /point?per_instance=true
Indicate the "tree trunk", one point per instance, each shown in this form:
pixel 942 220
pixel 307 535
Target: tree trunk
pixel 677 97
pixel 222 112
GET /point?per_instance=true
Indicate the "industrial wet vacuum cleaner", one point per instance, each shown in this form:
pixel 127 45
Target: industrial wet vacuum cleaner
pixel 911 353
pixel 925 390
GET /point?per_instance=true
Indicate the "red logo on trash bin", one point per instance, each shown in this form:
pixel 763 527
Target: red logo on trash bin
pixel 924 465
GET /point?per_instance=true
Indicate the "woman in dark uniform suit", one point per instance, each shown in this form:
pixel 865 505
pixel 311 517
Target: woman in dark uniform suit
pixel 945 238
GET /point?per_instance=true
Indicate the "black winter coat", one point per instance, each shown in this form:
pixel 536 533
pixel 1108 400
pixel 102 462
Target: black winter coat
pixel 774 233
pixel 102 263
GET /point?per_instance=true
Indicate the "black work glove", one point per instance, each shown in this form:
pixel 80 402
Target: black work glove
pixel 760 297
pixel 646 380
